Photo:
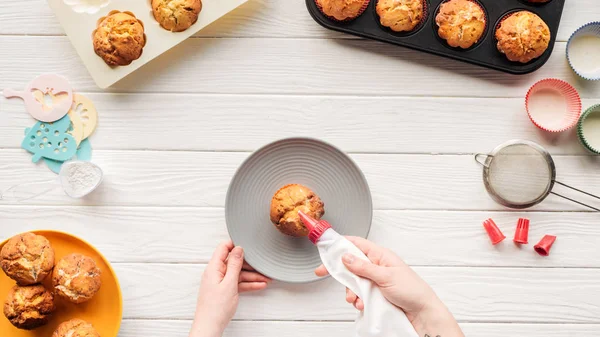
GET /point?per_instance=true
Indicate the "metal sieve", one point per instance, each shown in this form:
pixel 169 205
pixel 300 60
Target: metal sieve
pixel 520 174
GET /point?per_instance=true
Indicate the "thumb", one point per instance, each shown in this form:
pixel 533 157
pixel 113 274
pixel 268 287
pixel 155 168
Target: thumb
pixel 365 269
pixel 234 265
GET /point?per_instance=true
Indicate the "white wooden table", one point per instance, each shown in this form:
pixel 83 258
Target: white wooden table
pixel 172 135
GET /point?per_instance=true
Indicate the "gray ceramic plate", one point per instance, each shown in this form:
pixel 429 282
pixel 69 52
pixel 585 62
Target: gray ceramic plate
pixel 323 168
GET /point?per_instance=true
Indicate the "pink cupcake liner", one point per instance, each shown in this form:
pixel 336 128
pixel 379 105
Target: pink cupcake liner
pixel 553 105
pixel 362 10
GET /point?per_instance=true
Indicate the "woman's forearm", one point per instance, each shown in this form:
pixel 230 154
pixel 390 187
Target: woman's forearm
pixel 436 320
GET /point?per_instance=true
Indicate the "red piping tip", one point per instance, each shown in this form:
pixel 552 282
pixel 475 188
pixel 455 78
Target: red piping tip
pixel 522 232
pixel 493 231
pixel 308 221
pixel 544 246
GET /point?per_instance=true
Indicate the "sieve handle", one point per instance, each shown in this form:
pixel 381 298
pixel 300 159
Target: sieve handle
pixel 575 201
pixel 482 163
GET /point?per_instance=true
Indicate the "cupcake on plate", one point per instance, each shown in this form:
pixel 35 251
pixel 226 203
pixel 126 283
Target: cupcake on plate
pixel 523 36
pixel 285 206
pixel 29 307
pixel 176 15
pixel 119 38
pixel 461 23
pixel 27 258
pixel 342 10
pixel 76 278
pixel 400 15
pixel 75 328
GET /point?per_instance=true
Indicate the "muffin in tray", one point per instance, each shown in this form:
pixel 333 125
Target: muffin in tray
pixel 285 206
pixel 29 307
pixel 176 15
pixel 523 36
pixel 75 328
pixel 342 10
pixel 119 38
pixel 27 258
pixel 401 15
pixel 461 23
pixel 76 278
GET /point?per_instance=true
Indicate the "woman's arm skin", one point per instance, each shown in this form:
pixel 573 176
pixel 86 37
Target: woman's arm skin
pixel 224 279
pixel 402 287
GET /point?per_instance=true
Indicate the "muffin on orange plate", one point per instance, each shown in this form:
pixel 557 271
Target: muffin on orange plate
pixel 75 328
pixel 523 36
pixel 76 278
pixel 119 38
pixel 27 258
pixel 461 23
pixel 29 307
pixel 285 206
pixel 176 15
pixel 400 15
pixel 342 10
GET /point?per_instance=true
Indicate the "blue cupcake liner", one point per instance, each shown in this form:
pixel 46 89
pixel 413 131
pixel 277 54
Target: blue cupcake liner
pixel 589 29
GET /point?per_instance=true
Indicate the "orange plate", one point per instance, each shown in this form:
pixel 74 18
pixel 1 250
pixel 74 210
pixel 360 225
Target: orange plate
pixel 104 311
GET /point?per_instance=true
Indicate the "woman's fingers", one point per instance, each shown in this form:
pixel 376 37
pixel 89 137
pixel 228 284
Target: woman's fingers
pixel 350 296
pixel 250 276
pixel 246 266
pixel 321 271
pixel 359 304
pixel 251 286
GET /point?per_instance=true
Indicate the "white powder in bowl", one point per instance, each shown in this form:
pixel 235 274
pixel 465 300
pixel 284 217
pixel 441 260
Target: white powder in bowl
pixel 80 178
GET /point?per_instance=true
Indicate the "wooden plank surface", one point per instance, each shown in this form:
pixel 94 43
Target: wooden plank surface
pixel 551 295
pixel 355 124
pixel 180 178
pixel 257 18
pixel 286 66
pixel 423 238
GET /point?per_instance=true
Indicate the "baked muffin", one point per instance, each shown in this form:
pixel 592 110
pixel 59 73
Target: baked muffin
pixel 400 15
pixel 285 206
pixel 342 10
pixel 461 23
pixel 75 328
pixel 176 15
pixel 76 278
pixel 119 38
pixel 29 307
pixel 523 36
pixel 27 258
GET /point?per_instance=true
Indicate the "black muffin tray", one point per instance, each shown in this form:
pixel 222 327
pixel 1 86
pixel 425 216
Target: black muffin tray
pixel 425 37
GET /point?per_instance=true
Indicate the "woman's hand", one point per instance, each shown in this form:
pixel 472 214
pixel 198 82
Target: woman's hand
pixel 225 277
pixel 402 287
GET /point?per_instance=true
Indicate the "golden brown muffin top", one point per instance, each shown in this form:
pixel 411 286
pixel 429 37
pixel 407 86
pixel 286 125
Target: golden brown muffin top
pixel 461 23
pixel 342 9
pixel 176 15
pixel 285 206
pixel 119 39
pixel 75 328
pixel 76 278
pixel 27 258
pixel 28 307
pixel 400 15
pixel 523 36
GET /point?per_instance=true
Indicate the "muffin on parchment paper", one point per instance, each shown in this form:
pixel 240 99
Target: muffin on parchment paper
pixel 27 258
pixel 523 36
pixel 285 206
pixel 29 307
pixel 342 10
pixel 176 15
pixel 400 15
pixel 76 278
pixel 461 23
pixel 119 38
pixel 76 328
